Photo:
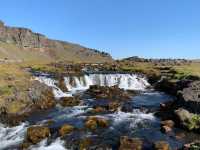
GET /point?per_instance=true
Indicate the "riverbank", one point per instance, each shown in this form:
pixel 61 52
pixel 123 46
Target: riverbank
pixel 98 113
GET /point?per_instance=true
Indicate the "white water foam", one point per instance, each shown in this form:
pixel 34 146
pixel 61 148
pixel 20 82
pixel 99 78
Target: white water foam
pixel 58 144
pixel 74 84
pixel 58 93
pixel 123 81
pixel 134 117
pixel 11 136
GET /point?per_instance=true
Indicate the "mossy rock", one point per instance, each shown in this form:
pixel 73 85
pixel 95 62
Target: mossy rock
pixel 66 129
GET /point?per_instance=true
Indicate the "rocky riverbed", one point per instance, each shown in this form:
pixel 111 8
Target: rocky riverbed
pixel 100 111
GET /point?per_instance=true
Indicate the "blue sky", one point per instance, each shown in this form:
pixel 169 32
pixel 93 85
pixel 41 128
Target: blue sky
pixel 146 28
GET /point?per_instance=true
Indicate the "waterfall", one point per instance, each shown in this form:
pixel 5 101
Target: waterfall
pixel 123 81
pixel 75 83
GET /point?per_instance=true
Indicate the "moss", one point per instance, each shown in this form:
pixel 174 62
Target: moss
pixel 194 123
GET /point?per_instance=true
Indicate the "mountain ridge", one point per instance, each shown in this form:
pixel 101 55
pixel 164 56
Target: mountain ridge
pixel 19 39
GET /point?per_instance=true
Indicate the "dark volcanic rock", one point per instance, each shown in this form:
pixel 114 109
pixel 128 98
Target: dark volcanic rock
pixel 172 87
pixel 190 97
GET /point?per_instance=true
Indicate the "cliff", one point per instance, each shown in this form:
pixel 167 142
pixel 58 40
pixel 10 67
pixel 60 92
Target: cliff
pixel 21 44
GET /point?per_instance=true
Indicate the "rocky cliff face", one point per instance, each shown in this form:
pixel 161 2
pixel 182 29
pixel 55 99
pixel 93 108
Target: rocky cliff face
pixel 26 39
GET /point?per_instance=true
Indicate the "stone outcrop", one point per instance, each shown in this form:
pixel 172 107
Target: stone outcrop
pixel 26 39
pixel 190 97
pixel 17 107
pixel 41 95
pixel 111 93
pixel 188 120
pixel 163 62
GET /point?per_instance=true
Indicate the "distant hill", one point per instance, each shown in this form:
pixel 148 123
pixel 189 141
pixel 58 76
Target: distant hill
pixel 21 44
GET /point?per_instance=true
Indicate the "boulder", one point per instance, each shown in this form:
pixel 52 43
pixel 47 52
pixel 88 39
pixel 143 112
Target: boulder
pixel 41 95
pixel 190 97
pixel 188 120
pixel 35 134
pixel 127 143
pixel 93 123
pixel 66 129
pixel 69 101
pixel 166 126
pixel 183 117
pixel 161 145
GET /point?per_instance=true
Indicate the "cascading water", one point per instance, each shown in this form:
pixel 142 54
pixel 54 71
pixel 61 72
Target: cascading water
pixel 134 122
pixel 73 84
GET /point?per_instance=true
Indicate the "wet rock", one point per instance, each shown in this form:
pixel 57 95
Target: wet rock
pixel 168 86
pixel 161 145
pixel 166 126
pixel 190 97
pixel 66 129
pixel 166 110
pixel 25 145
pixel 93 123
pixel 111 93
pixel 113 106
pixel 172 86
pixel 36 134
pixel 61 84
pixel 98 110
pixel 127 143
pixel 127 107
pixel 188 120
pixel 168 123
pixel 183 116
pixel 166 129
pixel 69 101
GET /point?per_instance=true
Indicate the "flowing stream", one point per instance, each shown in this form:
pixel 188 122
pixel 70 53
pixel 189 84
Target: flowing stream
pixel 136 123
